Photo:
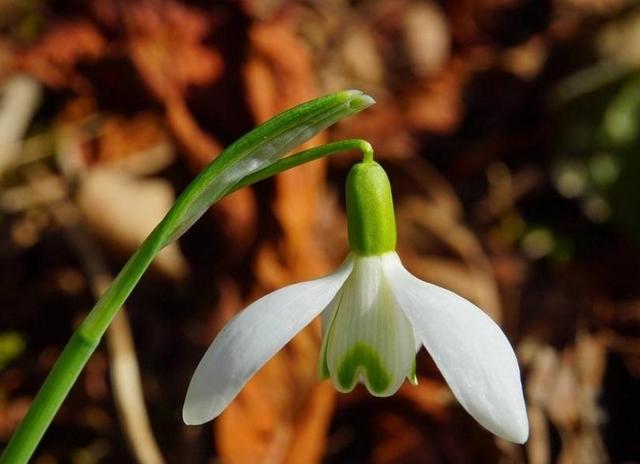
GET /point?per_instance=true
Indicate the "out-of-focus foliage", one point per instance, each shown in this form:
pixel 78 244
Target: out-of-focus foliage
pixel 599 146
pixel 510 133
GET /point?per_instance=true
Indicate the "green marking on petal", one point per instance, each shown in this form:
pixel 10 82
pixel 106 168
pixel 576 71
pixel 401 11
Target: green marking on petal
pixel 411 376
pixel 362 356
pixel 323 367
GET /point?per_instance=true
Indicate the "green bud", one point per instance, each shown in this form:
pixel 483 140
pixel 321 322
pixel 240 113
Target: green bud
pixel 372 224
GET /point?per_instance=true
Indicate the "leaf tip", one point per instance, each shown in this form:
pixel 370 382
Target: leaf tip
pixel 359 101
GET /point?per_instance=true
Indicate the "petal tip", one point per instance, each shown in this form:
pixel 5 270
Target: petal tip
pixel 518 436
pixel 521 433
pixel 189 419
pixel 195 416
pixel 197 410
pixel 517 431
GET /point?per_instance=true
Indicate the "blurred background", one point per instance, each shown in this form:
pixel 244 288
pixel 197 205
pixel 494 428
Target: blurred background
pixel 511 133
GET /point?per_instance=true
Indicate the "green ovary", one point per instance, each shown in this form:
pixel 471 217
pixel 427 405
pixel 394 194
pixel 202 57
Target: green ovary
pixel 370 217
pixel 361 357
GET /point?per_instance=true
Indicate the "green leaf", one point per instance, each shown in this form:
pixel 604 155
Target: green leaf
pixel 256 151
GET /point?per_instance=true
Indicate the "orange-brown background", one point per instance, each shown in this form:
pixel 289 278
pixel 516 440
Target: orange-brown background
pixel 489 121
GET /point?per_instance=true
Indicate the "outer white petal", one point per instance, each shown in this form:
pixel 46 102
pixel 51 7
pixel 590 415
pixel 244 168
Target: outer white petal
pixel 251 338
pixel 470 350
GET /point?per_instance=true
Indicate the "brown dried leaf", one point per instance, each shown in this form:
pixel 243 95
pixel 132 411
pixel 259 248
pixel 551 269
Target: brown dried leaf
pixel 165 42
pixel 237 215
pixel 399 441
pixel 417 216
pixel 120 137
pixel 283 413
pixel 201 146
pixel 427 37
pixel 54 56
pixel 436 104
pixel 123 210
pixel 559 393
pixel 279 75
pixel 384 125
pixel 429 396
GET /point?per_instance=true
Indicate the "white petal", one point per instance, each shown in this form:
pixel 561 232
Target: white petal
pixel 369 338
pixel 251 338
pixel 470 350
pixel 326 318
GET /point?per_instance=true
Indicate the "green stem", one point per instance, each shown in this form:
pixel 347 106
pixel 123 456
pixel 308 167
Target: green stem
pixel 306 156
pixel 74 357
pixel 88 335
pixel 47 402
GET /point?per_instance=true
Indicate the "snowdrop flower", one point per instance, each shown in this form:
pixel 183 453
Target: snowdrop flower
pixel 375 316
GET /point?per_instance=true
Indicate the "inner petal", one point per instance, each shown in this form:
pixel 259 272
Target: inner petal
pixel 369 339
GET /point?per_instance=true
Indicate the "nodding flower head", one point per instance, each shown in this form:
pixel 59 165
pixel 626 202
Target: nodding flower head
pixel 375 317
